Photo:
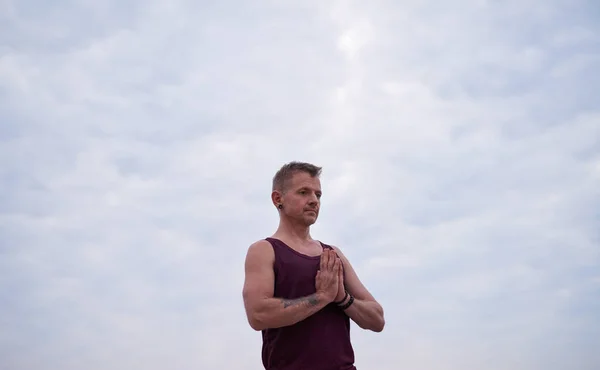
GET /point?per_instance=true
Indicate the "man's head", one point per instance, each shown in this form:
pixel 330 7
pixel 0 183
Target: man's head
pixel 297 191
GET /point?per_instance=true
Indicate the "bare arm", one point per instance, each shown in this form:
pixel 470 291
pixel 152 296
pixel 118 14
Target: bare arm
pixel 262 309
pixel 365 311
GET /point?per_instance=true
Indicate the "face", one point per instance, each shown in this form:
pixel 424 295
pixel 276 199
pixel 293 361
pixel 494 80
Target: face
pixel 302 198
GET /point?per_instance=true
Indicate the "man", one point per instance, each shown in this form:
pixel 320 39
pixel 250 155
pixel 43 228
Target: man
pixel 302 293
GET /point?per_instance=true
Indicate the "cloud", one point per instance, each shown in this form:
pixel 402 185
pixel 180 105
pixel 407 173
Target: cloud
pixel 461 170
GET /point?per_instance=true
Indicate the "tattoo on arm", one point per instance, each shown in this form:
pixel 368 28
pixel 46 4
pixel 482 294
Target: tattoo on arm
pixel 311 300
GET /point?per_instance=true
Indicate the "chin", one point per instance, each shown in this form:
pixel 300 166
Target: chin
pixel 310 220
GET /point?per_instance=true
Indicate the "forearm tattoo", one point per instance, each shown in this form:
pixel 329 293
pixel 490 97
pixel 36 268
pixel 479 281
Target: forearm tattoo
pixel 311 300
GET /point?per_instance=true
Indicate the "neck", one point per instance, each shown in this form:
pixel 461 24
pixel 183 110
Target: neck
pixel 294 231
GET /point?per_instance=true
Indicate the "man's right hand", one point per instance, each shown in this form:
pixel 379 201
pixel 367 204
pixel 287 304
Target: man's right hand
pixel 328 275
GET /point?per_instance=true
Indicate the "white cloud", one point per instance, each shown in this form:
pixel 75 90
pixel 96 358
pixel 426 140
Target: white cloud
pixel 461 170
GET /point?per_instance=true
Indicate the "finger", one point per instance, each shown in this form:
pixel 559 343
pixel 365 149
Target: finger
pixel 334 268
pixel 324 261
pixel 336 265
pixel 332 259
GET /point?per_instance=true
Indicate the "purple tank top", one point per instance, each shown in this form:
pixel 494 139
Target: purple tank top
pixel 319 342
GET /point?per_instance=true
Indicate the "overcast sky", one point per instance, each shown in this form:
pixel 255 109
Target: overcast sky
pixel 460 145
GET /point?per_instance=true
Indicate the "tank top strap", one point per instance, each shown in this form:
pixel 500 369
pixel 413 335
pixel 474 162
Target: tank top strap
pixel 326 246
pixel 280 247
pixel 275 243
pixel 280 250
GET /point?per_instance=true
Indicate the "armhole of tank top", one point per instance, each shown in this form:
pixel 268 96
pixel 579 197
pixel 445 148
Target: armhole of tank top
pixel 326 246
pixel 274 246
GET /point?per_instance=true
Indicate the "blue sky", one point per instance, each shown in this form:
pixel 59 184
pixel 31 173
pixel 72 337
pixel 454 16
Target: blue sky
pixel 461 153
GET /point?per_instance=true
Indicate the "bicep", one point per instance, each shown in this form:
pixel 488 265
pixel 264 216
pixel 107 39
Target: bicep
pixel 259 275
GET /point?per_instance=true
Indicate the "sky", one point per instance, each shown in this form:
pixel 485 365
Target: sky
pixel 460 146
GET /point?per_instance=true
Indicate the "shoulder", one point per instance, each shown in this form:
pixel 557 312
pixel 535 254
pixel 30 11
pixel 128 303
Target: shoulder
pixel 337 250
pixel 260 250
pixel 334 247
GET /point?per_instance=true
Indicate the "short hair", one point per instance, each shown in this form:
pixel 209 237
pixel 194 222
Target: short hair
pixel 285 173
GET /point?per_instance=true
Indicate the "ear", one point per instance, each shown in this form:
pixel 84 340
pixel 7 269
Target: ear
pixel 276 198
